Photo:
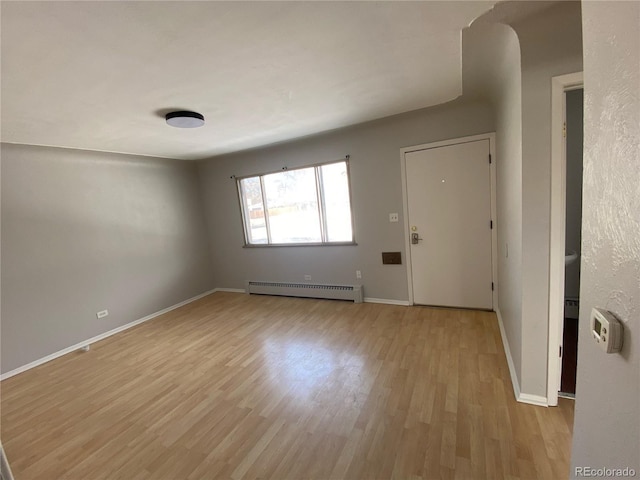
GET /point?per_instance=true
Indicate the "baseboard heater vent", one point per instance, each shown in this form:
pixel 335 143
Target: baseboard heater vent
pixel 309 290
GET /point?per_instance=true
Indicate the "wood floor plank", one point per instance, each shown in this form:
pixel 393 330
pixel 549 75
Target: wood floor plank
pixel 238 386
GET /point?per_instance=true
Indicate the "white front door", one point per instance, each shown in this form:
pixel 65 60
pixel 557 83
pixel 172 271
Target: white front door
pixel 449 218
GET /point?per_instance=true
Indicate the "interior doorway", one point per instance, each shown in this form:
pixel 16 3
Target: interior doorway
pixel 574 100
pixel 565 240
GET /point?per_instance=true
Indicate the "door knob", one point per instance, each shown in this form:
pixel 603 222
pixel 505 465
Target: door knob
pixel 415 238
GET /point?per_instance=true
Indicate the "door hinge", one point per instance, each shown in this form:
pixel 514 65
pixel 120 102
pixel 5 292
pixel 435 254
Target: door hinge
pixel 564 130
pixel 489 158
pixel 491 224
pixel 560 351
pixel 492 286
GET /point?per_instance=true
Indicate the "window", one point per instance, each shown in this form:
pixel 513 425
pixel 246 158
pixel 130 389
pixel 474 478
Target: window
pixel 296 207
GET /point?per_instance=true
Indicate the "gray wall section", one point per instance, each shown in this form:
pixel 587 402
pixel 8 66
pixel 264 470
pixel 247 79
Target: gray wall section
pixel 86 231
pixel 607 415
pixel 491 65
pixel 550 45
pixel 376 191
pixel 574 189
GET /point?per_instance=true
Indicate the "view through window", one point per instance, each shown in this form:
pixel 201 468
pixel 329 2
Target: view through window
pixel 308 205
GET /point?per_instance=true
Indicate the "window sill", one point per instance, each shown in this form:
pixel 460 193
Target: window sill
pixel 319 244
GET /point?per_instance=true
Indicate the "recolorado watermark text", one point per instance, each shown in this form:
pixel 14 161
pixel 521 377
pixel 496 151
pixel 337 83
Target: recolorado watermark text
pixel 605 472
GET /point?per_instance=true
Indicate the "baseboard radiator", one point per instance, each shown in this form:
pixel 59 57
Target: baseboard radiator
pixel 309 290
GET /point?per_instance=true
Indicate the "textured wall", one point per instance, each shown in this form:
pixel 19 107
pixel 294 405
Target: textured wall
pixel 86 231
pixel 376 191
pixel 607 417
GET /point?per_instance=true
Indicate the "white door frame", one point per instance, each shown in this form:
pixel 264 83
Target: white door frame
pixel 494 232
pixel 559 85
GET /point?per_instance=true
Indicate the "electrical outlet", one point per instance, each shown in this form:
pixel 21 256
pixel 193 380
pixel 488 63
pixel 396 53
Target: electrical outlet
pixel 102 313
pixel 393 217
pixel 358 274
pixel 307 277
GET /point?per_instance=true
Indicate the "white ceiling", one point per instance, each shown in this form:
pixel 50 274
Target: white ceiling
pixel 101 75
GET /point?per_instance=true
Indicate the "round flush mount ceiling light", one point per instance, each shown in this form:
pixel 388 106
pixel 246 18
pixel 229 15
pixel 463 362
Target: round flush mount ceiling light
pixel 185 119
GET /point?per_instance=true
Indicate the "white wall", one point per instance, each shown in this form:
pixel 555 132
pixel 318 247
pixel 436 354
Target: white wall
pixel 376 191
pixel 607 417
pixel 86 231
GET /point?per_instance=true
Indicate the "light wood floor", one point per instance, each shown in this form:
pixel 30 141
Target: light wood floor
pixel 237 386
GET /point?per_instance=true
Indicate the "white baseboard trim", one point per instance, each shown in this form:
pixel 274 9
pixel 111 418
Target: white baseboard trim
pixel 5 470
pixel 230 290
pixel 507 351
pixel 386 301
pixel 520 397
pixel 533 399
pixel 102 336
pixel 366 299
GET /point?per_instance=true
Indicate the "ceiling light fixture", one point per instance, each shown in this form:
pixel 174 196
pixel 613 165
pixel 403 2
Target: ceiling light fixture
pixel 185 119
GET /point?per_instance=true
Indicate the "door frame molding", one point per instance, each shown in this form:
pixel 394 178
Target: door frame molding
pixel 559 85
pixel 405 204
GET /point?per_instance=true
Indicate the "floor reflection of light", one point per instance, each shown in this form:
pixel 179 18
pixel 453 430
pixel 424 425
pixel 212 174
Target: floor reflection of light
pixel 303 369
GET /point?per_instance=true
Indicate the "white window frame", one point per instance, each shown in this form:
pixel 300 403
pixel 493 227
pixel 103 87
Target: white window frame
pixel 321 207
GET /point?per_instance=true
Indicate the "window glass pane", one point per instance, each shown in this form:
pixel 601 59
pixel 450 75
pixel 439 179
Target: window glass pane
pixel 292 204
pixel 255 224
pixel 335 183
